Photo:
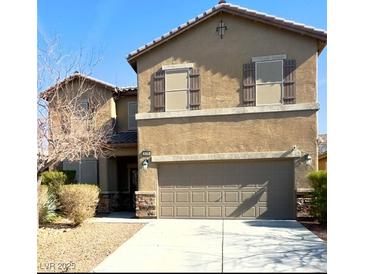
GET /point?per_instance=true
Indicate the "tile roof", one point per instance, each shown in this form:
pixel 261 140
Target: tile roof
pixel 126 91
pixel 237 10
pixel 129 90
pixel 124 137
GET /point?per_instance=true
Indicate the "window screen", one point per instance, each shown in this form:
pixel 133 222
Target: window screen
pixel 269 79
pixel 132 110
pixel 176 90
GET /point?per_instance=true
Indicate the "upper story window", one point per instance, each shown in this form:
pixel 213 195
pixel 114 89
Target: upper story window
pixel 84 108
pixel 132 110
pixel 85 105
pixel 269 80
pixel 176 88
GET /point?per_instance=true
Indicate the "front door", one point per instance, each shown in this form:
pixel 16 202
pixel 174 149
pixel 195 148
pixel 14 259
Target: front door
pixel 133 182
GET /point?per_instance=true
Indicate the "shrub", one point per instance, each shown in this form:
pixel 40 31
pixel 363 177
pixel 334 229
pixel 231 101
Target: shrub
pixel 53 179
pixel 318 204
pixel 46 205
pixel 70 174
pixel 78 201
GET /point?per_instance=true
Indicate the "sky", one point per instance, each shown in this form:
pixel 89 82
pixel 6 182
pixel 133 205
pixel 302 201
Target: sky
pixel 113 28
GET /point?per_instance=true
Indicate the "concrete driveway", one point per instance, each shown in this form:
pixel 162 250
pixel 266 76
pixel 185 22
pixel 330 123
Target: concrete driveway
pixel 219 246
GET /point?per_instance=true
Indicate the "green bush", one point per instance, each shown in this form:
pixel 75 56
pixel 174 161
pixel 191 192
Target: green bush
pixel 318 205
pixel 78 201
pixel 70 174
pixel 53 179
pixel 46 205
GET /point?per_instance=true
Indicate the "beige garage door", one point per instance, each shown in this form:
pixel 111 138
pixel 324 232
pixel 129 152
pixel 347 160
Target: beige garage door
pixel 229 190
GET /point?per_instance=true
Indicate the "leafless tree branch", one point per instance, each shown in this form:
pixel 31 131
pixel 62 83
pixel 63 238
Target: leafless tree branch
pixel 73 120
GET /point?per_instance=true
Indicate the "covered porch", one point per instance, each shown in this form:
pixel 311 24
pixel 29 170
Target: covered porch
pixel 118 175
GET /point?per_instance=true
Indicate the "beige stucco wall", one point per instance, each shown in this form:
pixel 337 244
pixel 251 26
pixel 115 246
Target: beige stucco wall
pixel 108 180
pixel 102 96
pixel 122 112
pixel 236 133
pixel 221 60
pixel 221 68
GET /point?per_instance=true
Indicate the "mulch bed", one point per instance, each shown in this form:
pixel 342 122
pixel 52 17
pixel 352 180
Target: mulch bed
pixel 319 229
pixel 66 248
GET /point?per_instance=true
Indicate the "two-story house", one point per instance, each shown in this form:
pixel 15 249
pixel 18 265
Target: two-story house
pixel 116 175
pixel 226 122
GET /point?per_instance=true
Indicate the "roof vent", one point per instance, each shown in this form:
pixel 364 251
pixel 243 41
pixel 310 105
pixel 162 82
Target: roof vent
pixel 222 2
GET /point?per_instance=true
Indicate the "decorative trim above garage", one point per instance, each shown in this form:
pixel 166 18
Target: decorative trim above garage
pixel 293 153
pixel 227 111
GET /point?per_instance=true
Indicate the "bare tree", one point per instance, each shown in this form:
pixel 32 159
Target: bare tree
pixel 73 116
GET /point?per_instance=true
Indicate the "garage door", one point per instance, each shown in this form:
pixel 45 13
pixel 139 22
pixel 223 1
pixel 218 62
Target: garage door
pixel 229 190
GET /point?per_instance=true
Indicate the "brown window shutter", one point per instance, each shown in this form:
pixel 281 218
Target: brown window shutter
pixel 249 85
pixel 194 89
pixel 289 81
pixel 159 91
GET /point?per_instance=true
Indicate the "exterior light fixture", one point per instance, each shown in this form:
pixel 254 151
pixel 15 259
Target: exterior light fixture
pixel 221 29
pixel 308 160
pixel 145 164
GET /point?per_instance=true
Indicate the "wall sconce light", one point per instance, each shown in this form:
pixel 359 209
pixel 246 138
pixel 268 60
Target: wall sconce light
pixel 308 160
pixel 145 164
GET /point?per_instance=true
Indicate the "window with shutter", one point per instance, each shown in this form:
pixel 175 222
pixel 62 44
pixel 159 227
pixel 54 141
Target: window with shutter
pixel 159 91
pixel 176 88
pixel 289 82
pixel 269 81
pixel 249 85
pixel 194 89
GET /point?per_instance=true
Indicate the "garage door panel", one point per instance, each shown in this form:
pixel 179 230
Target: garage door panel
pixel 198 197
pixel 167 197
pixel 214 196
pixel 198 211
pixel 181 197
pixel 232 190
pixel 167 211
pixel 233 211
pixel 246 195
pixel 249 212
pixel 215 211
pixel 230 196
pixel 182 211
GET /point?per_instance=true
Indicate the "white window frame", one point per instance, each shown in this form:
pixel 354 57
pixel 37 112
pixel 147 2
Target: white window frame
pixel 129 127
pixel 268 83
pixel 179 69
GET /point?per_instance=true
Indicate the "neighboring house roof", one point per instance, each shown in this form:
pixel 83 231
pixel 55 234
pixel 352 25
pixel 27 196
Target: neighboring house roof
pixel 319 34
pixel 126 91
pixel 322 145
pixel 124 137
pixel 77 75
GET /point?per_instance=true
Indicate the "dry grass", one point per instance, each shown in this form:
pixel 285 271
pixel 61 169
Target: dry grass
pixel 62 248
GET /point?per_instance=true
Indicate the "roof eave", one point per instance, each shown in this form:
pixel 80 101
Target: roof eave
pixel 316 34
pixel 48 92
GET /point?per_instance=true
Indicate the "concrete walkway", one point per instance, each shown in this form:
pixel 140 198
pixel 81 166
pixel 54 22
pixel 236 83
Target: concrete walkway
pixel 120 217
pixel 219 246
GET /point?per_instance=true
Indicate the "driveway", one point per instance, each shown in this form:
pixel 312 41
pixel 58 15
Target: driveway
pixel 219 246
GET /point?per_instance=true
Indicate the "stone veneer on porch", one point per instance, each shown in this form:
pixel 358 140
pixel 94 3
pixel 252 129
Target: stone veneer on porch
pixel 146 204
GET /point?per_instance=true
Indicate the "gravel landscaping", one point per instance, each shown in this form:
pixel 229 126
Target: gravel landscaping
pixel 319 229
pixel 62 248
